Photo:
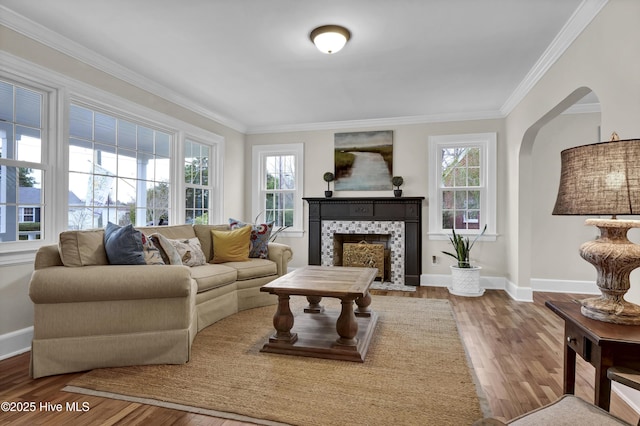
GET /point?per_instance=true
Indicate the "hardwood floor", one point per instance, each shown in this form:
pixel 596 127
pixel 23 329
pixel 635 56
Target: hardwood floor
pixel 515 348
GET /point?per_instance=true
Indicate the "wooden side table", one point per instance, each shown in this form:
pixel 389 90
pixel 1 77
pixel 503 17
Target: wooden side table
pixel 602 344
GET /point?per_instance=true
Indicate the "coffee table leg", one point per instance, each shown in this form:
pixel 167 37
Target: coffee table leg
pixel 347 326
pixel 283 322
pixel 363 306
pixel 314 305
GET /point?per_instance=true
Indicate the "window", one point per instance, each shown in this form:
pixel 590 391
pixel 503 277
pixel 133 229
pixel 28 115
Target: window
pixel 27 214
pixel 119 171
pixel 277 177
pixel 119 161
pixel 198 185
pixel 22 131
pixel 462 184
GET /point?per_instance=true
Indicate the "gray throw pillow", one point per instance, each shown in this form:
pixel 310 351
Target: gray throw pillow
pixel 123 245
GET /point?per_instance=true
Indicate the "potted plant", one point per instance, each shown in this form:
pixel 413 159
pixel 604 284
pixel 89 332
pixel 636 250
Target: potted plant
pixel 397 181
pixel 328 177
pixel 465 278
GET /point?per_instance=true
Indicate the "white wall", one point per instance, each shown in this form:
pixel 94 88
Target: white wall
pixel 606 60
pixel 601 59
pixel 410 159
pixel 554 252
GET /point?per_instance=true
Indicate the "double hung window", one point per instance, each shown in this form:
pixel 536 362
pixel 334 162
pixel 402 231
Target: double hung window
pixel 22 136
pixel 198 184
pixel 277 177
pixel 462 184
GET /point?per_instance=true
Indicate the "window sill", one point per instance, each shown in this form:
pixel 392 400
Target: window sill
pixel 18 257
pixel 291 233
pixel 445 237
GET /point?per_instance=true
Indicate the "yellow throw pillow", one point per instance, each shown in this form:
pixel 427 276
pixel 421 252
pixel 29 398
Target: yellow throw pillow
pixel 231 246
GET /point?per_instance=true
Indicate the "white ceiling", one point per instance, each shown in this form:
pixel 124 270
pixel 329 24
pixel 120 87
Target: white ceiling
pixel 250 63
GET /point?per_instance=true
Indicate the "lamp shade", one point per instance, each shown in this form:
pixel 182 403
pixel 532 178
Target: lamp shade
pixel 330 38
pixel 600 179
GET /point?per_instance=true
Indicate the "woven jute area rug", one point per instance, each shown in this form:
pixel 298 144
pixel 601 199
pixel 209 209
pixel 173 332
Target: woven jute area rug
pixel 416 373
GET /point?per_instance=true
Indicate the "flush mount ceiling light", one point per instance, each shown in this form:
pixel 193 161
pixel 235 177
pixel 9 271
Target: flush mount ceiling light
pixel 330 38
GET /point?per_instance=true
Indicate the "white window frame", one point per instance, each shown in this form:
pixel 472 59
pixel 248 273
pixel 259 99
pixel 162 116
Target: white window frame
pixel 259 153
pixel 14 251
pixel 62 91
pixel 216 153
pixel 487 142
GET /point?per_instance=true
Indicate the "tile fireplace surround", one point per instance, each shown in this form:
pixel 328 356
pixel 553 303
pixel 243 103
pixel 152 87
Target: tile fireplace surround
pixel 395 230
pixel 400 218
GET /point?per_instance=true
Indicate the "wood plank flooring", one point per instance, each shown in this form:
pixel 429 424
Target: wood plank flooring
pixel 515 348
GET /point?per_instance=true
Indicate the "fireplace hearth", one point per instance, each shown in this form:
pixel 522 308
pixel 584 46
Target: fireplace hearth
pixel 395 222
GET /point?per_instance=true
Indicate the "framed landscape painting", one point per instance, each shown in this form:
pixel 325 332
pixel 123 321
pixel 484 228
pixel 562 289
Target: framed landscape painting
pixel 363 161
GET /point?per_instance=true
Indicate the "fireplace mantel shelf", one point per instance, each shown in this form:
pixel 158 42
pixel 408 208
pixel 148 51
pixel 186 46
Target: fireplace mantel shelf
pixel 404 209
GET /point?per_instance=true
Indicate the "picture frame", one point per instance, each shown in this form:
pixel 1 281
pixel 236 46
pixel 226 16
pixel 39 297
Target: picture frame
pixel 363 161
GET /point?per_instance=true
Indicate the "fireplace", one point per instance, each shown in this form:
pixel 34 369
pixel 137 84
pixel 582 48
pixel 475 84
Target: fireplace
pixel 394 222
pixel 363 250
pixel 392 231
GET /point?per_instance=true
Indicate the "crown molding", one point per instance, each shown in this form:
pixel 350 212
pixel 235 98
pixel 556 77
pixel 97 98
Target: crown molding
pixel 377 122
pixel 581 17
pixel 45 36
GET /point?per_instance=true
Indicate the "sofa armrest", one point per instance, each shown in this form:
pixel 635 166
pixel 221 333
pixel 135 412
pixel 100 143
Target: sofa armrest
pixel 281 254
pixel 47 256
pixel 61 284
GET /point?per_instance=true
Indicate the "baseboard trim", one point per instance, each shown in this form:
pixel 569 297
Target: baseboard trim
pixel 15 343
pixel 521 294
pixel 564 286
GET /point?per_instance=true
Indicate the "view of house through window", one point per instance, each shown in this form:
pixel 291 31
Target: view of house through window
pixel 21 170
pixel 461 186
pixel 119 171
pixel 198 185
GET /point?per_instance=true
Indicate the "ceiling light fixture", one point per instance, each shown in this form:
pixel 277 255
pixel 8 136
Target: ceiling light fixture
pixel 330 38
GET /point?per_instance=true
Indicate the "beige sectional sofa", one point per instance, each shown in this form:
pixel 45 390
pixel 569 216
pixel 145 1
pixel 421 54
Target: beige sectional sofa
pixel 90 314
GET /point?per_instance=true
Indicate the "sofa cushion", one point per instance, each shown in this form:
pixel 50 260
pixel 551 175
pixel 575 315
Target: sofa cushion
pixel 213 276
pixel 168 252
pixel 260 234
pixel 203 232
pixel 170 231
pixel 189 251
pixel 151 253
pixel 254 268
pixel 123 245
pixel 82 248
pixel 231 246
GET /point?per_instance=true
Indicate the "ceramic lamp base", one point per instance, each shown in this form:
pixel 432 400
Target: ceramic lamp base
pixel 614 257
pixel 606 310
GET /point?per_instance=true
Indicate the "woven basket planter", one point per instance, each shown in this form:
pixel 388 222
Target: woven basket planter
pixel 466 281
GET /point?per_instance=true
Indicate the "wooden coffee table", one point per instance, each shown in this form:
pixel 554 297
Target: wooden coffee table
pixel 315 329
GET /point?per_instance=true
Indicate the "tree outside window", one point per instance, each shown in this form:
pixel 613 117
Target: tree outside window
pixel 462 184
pixel 198 185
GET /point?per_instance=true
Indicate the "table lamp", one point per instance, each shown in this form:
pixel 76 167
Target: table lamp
pixel 604 179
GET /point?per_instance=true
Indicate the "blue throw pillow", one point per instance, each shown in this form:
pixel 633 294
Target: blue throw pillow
pixel 260 234
pixel 123 245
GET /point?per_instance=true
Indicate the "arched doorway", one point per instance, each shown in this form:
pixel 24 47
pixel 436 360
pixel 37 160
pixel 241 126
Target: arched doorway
pixel 548 245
